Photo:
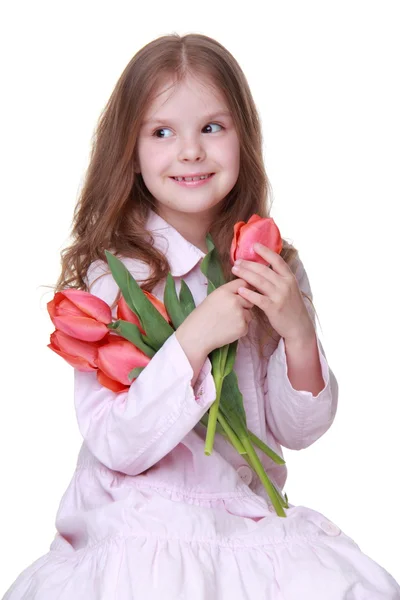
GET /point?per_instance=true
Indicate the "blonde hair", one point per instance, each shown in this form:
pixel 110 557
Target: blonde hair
pixel 112 209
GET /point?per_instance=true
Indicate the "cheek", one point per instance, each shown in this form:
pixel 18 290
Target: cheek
pixel 231 153
pixel 153 158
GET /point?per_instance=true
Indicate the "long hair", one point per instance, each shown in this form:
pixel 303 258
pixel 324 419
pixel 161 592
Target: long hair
pixel 113 206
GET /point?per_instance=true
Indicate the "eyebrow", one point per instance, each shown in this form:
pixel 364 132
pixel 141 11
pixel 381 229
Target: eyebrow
pixel 220 113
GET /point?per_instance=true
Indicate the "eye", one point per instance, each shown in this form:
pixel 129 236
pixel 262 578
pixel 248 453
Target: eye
pixel 167 129
pixel 217 124
pixel 161 129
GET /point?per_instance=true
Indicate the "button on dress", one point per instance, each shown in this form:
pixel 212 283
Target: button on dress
pixel 147 515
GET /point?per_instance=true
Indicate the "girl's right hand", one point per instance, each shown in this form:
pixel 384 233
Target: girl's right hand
pixel 222 318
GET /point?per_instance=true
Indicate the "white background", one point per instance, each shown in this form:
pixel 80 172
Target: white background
pixel 325 79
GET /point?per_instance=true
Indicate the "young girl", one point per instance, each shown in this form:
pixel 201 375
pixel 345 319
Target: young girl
pixel 147 514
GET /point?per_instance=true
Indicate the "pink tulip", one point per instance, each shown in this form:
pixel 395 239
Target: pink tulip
pixel 116 359
pixel 126 314
pixel 81 355
pixel 80 314
pixel 111 384
pixel 258 229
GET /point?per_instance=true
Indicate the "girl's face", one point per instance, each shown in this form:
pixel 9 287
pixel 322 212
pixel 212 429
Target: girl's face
pixel 188 130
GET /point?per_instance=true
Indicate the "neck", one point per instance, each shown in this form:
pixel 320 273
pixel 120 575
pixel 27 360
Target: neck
pixel 193 227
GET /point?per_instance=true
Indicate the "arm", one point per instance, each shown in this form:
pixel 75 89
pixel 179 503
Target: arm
pixel 301 391
pixel 132 430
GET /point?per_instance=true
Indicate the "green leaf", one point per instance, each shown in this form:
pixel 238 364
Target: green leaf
pixel 231 402
pixel 186 299
pixel 172 303
pixel 156 327
pixel 231 357
pixel 135 373
pixel 131 332
pixel 218 359
pixel 211 266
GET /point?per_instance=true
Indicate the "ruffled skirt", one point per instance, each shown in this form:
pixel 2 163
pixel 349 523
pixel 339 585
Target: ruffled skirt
pixel 150 547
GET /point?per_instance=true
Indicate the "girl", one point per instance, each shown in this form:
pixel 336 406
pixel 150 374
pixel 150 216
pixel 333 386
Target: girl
pixel 147 514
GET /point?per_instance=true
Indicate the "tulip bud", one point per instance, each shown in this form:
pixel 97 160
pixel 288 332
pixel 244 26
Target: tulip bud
pixel 81 355
pixel 118 357
pixel 80 314
pixel 257 229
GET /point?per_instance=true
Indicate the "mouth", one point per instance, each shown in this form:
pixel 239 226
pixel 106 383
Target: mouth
pixel 193 179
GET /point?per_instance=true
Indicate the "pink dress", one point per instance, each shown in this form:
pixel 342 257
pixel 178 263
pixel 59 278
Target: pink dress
pixel 147 515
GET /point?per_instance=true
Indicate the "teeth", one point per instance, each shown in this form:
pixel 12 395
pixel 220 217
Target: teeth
pixel 191 178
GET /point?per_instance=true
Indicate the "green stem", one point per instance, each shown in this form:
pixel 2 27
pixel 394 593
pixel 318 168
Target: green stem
pixel 226 431
pixel 259 469
pixel 266 449
pixel 281 499
pixel 231 435
pixel 242 452
pixel 213 412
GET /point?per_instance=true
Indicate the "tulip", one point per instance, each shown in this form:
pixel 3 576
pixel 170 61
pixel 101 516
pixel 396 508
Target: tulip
pixel 81 355
pixel 258 229
pixel 111 384
pixel 115 360
pixel 126 314
pixel 80 314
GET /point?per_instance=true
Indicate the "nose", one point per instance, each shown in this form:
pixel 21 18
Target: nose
pixel 191 150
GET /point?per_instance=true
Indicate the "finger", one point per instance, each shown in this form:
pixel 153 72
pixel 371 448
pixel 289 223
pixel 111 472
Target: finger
pixel 255 277
pixel 276 261
pixel 244 302
pixel 262 270
pixel 236 283
pixel 257 299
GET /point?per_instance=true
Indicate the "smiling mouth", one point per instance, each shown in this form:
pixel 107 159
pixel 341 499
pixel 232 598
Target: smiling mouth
pixel 199 178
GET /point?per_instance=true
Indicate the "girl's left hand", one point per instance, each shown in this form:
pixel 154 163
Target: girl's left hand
pixel 278 294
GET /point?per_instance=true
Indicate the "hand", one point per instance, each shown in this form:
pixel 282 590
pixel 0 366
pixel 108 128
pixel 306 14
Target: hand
pixel 278 294
pixel 222 318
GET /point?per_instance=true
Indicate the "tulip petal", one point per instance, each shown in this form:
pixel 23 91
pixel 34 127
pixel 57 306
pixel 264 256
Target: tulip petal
pixel 236 232
pixel 124 313
pixel 78 363
pixel 86 351
pixel 89 304
pixel 257 229
pixel 130 332
pixel 117 358
pixel 255 218
pixel 81 328
pixel 158 305
pixel 109 383
pixel 66 307
pixel 51 307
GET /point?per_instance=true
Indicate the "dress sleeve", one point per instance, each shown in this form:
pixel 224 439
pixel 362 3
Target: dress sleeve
pixel 297 418
pixel 132 430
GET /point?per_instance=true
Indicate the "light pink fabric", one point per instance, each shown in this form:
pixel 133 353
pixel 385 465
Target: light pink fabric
pixel 147 515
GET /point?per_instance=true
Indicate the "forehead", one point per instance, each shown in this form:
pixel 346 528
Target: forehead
pixel 197 96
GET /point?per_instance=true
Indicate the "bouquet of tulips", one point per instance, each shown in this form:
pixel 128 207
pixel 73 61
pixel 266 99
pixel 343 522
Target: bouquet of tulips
pixel 88 338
